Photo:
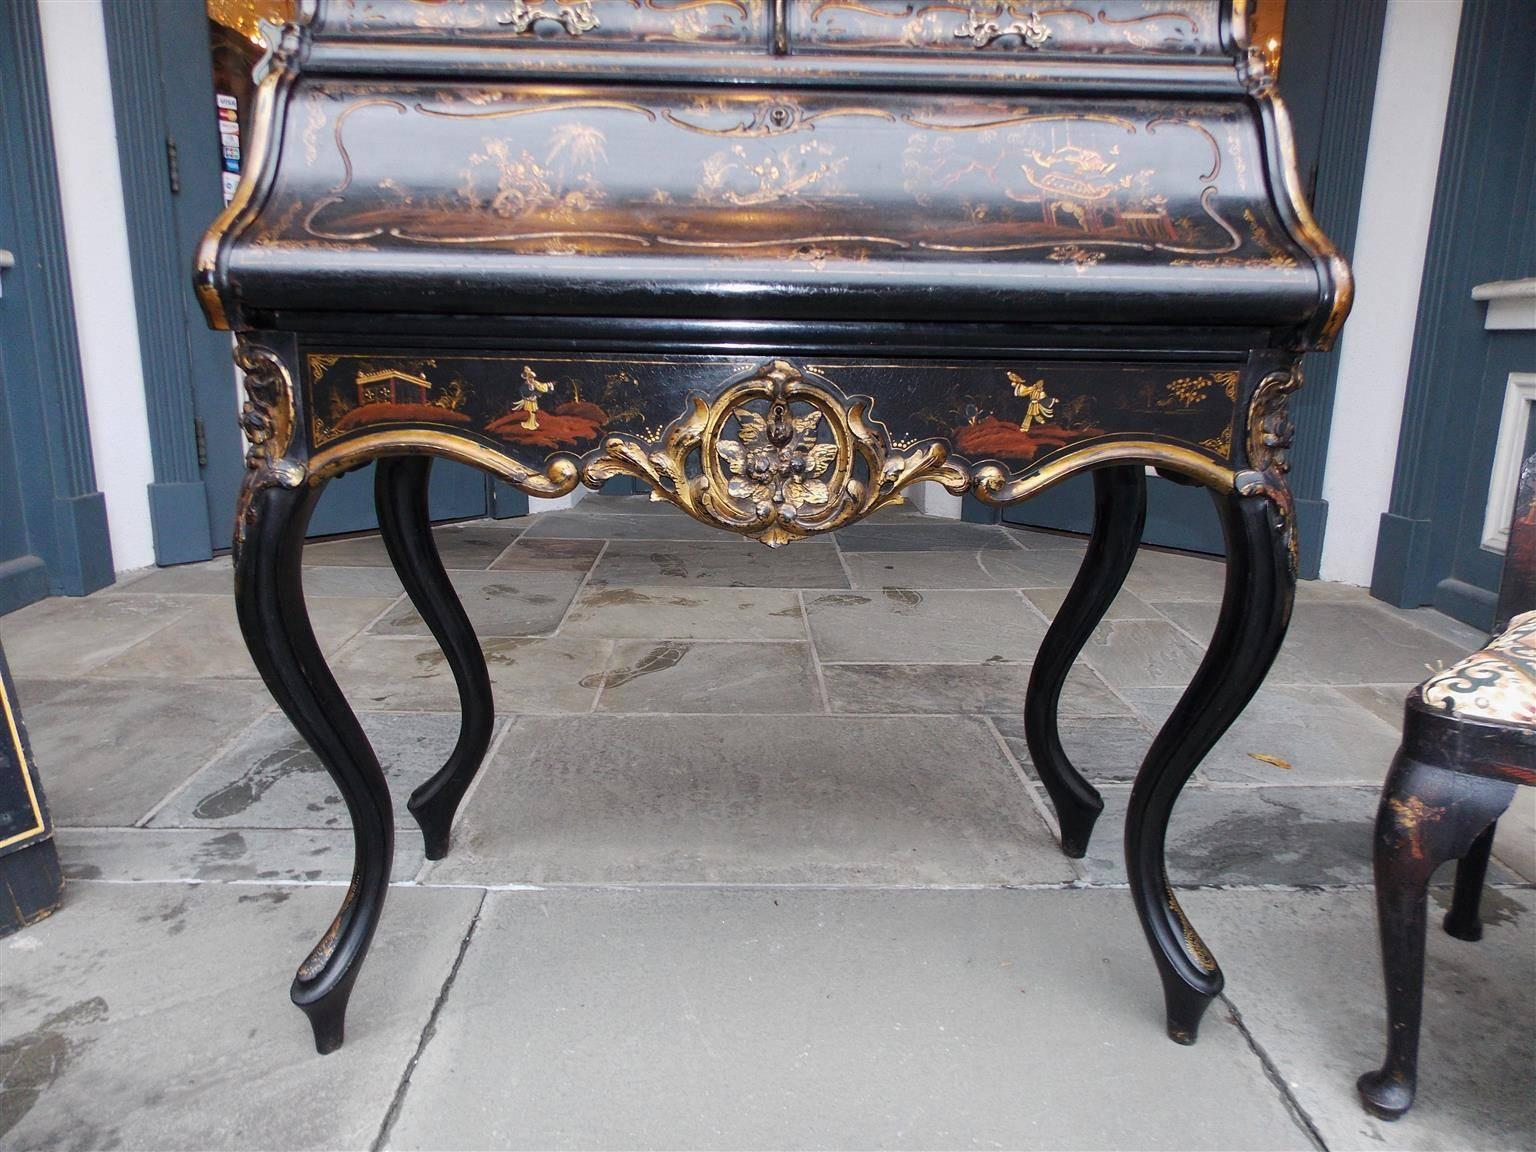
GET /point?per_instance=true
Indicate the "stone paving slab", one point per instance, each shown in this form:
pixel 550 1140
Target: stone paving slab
pixel 81 728
pixel 962 568
pixel 577 524
pixel 410 673
pixel 157 1016
pixel 689 676
pixel 1249 836
pixel 549 556
pixel 270 778
pixel 922 536
pixel 1126 606
pixel 1105 749
pixel 263 855
pixel 1141 654
pixel 751 799
pixel 497 603
pixel 686 614
pixel 206 642
pixel 1173 576
pixel 1304 970
pixel 471 545
pixel 899 625
pixel 725 563
pixel 816 1019
pixel 1318 735
pixel 1339 644
pixel 62 637
pixel 958 689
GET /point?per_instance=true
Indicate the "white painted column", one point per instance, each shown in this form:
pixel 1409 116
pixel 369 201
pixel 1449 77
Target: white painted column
pixel 1413 88
pixel 96 236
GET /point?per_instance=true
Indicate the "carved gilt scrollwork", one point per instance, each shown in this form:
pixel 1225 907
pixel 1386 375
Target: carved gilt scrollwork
pixel 267 419
pixel 575 16
pixel 1270 433
pixel 803 459
pixel 981 30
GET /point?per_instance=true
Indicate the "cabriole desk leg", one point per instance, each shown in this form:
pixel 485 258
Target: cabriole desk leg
pixel 1119 513
pixel 269 599
pixel 1255 610
pixel 400 493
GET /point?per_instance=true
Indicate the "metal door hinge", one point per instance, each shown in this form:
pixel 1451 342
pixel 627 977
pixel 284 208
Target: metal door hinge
pixel 202 441
pixel 173 165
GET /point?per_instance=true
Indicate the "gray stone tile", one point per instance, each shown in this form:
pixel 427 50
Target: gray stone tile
pixel 157 1016
pixel 743 799
pixel 1105 749
pixel 709 677
pixel 636 504
pixel 936 688
pixel 110 750
pixel 471 545
pixel 958 688
pixel 1340 644
pixel 901 625
pixel 206 643
pixel 322 582
pixel 180 855
pixel 1126 606
pixel 578 525
pixel 210 577
pixel 66 636
pixel 498 604
pixel 1141 653
pixel 367 550
pixel 1303 969
pixel 1452 631
pixel 1250 836
pixel 1514 844
pixel 526 555
pixel 722 563
pixel 686 614
pixel 927 535
pixel 269 778
pixel 810 1019
pixel 1383 701
pixel 385 673
pixel 1036 538
pixel 1158 576
pixel 961 568
pixel 1318 736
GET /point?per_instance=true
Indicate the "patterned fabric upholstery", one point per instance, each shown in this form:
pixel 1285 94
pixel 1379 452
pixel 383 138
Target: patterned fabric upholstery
pixel 1497 683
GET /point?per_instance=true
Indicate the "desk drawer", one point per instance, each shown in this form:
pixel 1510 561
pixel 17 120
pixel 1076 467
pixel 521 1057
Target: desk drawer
pixel 1019 413
pixel 613 24
pixel 1003 27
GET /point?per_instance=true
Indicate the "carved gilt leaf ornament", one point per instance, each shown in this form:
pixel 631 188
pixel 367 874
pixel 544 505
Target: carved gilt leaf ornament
pixel 777 457
pixel 266 419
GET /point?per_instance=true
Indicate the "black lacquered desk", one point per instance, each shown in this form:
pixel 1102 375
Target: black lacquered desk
pixel 778 262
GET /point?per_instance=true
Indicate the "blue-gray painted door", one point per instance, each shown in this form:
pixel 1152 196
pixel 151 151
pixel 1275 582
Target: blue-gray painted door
pixel 185 37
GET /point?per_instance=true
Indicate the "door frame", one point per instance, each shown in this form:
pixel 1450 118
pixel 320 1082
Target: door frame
pixel 67 545
pixel 1422 554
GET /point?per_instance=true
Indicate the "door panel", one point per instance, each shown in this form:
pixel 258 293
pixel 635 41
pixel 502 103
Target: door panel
pixel 188 38
pixel 458 493
pixel 1177 516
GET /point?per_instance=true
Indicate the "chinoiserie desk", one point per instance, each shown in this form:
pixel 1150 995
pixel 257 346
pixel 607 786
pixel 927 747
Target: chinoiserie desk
pixel 777 261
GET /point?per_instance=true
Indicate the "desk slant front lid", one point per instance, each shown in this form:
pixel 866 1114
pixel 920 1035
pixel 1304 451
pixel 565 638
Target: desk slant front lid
pixel 487 158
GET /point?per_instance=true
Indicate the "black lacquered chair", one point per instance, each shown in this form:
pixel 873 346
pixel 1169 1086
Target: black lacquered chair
pixel 1469 738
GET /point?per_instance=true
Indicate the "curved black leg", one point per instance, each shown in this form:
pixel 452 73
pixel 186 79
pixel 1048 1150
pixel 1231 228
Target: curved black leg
pixel 1255 610
pixel 400 493
pixel 1119 512
pixel 1464 921
pixel 269 599
pixel 1428 815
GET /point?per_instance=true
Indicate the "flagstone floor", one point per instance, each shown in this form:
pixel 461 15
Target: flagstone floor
pixel 758 859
